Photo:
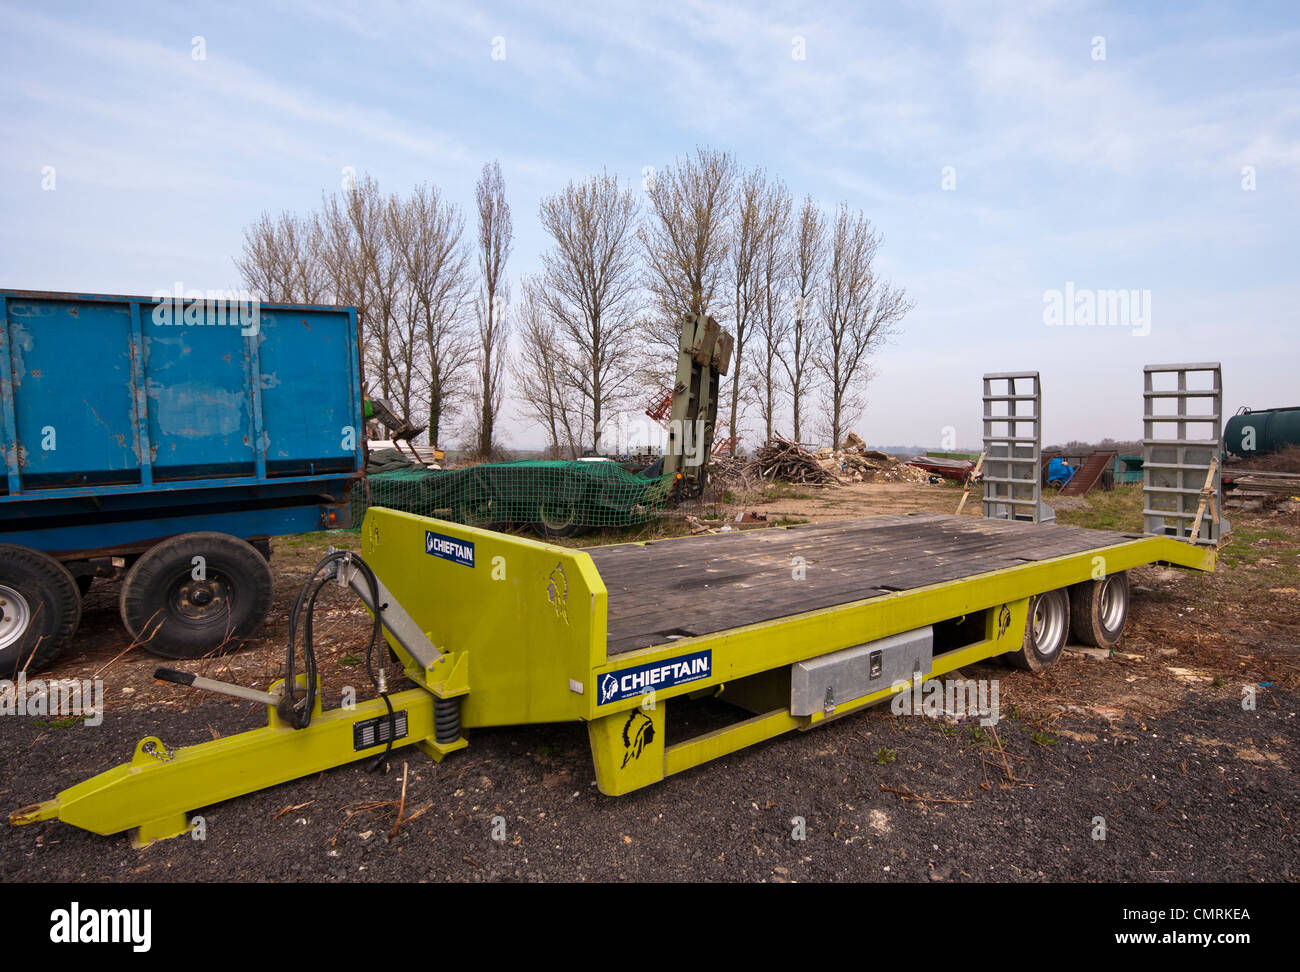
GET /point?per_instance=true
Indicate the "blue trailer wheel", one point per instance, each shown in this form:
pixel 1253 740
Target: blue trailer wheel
pixel 40 609
pixel 196 594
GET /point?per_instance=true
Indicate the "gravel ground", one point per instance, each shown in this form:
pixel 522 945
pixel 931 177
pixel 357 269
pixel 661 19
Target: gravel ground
pixel 1154 739
pixel 1191 796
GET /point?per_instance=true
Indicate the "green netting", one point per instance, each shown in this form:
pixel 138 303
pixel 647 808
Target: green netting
pixel 554 497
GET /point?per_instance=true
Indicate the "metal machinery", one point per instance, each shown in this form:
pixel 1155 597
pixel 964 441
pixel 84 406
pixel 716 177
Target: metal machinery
pixel 703 360
pixel 142 433
pixel 794 626
pixel 560 499
pixel 1260 431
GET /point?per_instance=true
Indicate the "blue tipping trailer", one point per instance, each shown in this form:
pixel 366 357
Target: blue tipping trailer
pixel 164 441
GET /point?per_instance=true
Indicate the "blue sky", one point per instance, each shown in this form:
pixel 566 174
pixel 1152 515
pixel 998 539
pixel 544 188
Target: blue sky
pixel 1117 173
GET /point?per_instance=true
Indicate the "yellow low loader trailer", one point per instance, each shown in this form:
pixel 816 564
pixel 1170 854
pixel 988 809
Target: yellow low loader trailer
pixel 793 625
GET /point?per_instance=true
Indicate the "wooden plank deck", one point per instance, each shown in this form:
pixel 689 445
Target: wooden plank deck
pixel 699 585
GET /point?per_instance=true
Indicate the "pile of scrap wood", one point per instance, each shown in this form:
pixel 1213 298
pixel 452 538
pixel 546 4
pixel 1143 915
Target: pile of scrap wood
pixel 732 472
pixel 1256 489
pixel 858 464
pixel 785 460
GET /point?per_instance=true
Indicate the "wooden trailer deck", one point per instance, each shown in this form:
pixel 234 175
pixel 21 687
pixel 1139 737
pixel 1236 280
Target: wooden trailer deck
pixel 687 586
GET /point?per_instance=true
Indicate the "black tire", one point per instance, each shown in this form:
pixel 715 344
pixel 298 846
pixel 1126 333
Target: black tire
pixel 479 508
pixel 1047 628
pixel 1098 610
pixel 557 519
pixel 40 608
pixel 174 615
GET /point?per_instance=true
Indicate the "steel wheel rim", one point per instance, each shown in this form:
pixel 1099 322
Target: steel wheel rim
pixel 1112 602
pixel 15 618
pixel 1049 624
pixel 202 604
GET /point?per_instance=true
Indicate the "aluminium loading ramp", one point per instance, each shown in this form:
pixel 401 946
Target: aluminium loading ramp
pixel 1182 442
pixel 1089 474
pixel 1013 410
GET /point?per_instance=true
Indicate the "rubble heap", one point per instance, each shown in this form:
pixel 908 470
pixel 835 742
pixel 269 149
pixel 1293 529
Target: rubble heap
pixel 855 463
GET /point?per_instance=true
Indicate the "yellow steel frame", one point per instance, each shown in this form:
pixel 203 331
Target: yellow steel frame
pixel 153 794
pixel 521 628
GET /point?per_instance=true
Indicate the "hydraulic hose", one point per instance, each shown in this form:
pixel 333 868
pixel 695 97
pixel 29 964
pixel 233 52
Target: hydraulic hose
pixel 300 702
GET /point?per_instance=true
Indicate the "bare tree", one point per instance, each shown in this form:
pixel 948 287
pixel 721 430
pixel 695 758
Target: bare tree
pixel 685 239
pixel 743 274
pixel 435 261
pixel 540 372
pixel 771 325
pixel 281 260
pixel 807 260
pixel 403 265
pixel 589 289
pixel 495 234
pixel 859 310
pixel 357 256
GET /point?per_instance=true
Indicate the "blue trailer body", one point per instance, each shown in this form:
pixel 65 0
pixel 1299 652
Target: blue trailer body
pixel 127 420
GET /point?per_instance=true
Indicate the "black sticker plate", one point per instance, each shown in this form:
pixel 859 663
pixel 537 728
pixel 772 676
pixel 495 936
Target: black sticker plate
pixel 375 732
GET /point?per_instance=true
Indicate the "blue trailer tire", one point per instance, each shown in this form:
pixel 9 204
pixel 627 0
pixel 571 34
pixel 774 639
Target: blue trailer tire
pixel 196 594
pixel 40 609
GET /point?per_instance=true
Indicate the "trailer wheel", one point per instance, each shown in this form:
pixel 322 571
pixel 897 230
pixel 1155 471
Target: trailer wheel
pixel 40 609
pixel 1098 610
pixel 179 609
pixel 1046 631
pixel 557 518
pixel 479 508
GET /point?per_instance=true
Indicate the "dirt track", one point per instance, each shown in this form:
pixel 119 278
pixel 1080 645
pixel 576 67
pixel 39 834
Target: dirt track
pixel 1155 741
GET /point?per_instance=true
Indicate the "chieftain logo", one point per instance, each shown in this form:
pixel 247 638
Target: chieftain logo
pixel 638 733
pixel 615 686
pixel 449 548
